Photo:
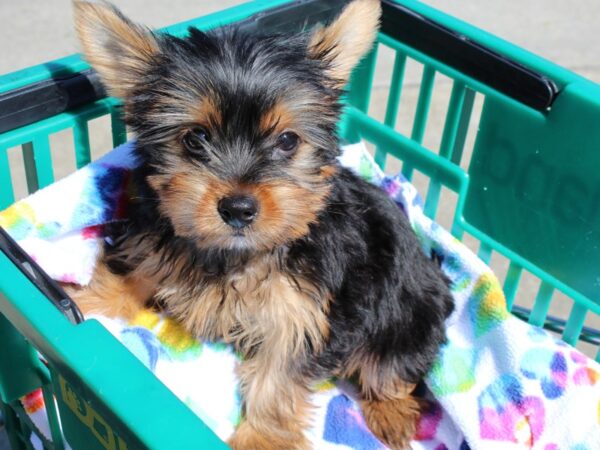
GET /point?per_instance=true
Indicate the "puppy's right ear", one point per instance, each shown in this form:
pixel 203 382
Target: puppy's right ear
pixel 343 43
pixel 119 50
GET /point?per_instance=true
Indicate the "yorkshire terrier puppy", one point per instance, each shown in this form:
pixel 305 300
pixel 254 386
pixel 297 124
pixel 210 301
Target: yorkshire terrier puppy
pixel 243 225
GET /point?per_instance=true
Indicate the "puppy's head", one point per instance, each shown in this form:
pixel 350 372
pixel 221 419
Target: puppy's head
pixel 236 131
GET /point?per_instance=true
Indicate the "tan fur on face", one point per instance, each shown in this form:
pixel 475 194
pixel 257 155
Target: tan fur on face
pixel 117 48
pixel 190 198
pixel 289 210
pixel 277 120
pixel 348 38
pixel 328 171
pixel 189 193
pixel 206 113
pixel 181 106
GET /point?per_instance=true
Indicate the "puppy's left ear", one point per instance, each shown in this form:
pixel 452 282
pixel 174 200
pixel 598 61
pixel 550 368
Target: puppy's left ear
pixel 347 39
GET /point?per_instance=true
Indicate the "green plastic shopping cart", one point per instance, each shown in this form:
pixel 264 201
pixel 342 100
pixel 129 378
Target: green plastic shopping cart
pixel 527 190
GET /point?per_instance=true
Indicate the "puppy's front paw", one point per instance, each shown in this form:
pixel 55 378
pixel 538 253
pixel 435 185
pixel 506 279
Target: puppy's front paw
pixel 248 438
pixel 393 421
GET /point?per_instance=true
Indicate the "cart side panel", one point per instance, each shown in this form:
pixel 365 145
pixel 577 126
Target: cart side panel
pixel 534 184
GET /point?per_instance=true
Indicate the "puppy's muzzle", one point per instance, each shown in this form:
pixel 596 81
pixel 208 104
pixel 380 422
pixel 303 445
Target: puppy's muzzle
pixel 238 211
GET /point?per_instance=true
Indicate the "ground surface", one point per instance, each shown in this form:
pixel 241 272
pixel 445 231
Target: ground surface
pixel 566 32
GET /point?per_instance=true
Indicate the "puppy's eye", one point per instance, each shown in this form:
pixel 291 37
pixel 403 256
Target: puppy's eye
pixel 287 143
pixel 195 139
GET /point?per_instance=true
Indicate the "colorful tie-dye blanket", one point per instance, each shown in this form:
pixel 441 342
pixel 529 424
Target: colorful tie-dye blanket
pixel 498 383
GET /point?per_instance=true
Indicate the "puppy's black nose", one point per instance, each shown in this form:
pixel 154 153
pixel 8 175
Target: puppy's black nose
pixel 238 211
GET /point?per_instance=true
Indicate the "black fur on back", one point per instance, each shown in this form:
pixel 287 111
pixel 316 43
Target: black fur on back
pixel 390 300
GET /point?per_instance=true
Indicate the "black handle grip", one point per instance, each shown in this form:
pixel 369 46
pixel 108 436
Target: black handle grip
pixel 467 56
pixel 44 99
pixel 292 17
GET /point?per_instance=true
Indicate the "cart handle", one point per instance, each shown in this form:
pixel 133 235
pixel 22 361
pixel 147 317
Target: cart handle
pixel 468 56
pixel 39 278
